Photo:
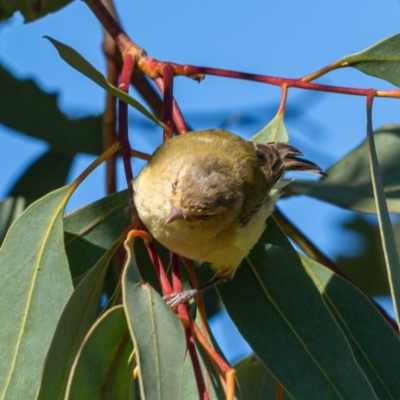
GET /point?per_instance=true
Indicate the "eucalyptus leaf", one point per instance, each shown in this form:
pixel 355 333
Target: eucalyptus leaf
pixel 189 388
pixel 349 184
pixel 34 288
pixel 26 108
pixel 212 382
pixel 102 369
pixel 255 381
pixel 76 320
pixel 375 344
pixel 280 313
pixel 30 10
pixel 76 61
pixel 274 131
pixel 366 266
pixel 157 333
pixel 381 60
pixel 385 225
pixel 91 230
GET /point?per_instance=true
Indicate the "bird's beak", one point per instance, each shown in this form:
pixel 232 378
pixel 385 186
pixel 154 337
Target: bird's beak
pixel 175 214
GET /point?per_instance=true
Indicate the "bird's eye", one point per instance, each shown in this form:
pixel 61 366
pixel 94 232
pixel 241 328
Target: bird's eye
pixel 205 217
pixel 174 184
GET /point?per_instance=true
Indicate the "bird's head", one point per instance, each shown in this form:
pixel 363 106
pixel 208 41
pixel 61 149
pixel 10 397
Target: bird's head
pixel 205 195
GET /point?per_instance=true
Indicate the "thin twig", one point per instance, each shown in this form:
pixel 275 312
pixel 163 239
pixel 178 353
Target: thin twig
pixel 168 78
pixel 110 113
pixel 179 120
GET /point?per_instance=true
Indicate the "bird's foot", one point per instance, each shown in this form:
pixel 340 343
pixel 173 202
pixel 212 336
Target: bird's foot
pixel 174 299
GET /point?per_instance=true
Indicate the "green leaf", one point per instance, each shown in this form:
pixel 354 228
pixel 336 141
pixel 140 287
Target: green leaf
pixel 274 131
pixel 34 288
pixel 189 388
pixel 385 225
pixel 375 345
pixel 366 265
pixel 51 165
pixel 280 313
pixel 349 185
pixel 213 385
pixel 381 60
pixel 157 334
pixel 76 320
pixel 25 108
pixel 255 381
pixel 30 10
pixel 76 61
pixel 10 209
pixel 90 231
pixel 102 369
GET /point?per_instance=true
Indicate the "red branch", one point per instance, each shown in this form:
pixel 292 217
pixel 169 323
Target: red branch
pixel 168 75
pixel 179 121
pixel 160 270
pixel 370 99
pixel 153 68
pixel 126 75
pixel 201 387
pixel 122 40
pixel 127 69
pixel 176 276
pixel 183 314
pixel 282 106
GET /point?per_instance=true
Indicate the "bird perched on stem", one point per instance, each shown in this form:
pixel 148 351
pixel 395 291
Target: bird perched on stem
pixel 206 195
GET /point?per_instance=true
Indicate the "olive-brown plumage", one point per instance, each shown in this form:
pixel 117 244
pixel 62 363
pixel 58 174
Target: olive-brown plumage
pixel 206 195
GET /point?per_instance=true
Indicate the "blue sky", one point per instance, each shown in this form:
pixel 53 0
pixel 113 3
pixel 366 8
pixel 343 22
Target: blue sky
pixel 287 38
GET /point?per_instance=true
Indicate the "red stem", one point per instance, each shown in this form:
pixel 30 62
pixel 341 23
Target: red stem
pixel 107 20
pixel 152 68
pixel 201 387
pixel 179 121
pixel 168 89
pixel 275 80
pixel 126 74
pixel 109 128
pixel 183 314
pixel 113 28
pixel 176 276
pixel 282 106
pixel 370 99
pixel 177 281
pixel 160 270
pixel 199 297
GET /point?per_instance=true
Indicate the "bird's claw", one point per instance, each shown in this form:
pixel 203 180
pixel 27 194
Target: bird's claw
pixel 174 299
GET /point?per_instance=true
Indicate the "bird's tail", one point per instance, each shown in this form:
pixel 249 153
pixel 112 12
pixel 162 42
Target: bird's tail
pixel 277 158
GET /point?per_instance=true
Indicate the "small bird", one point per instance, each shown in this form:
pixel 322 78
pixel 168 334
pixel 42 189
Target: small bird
pixel 206 195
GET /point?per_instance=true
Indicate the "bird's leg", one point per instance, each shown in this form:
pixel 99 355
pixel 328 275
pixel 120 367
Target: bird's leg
pixel 174 299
